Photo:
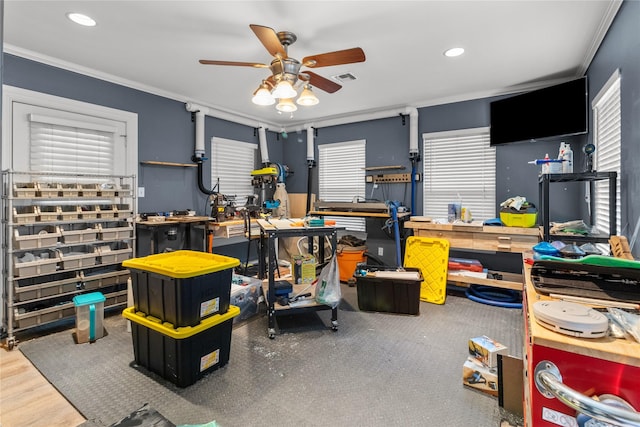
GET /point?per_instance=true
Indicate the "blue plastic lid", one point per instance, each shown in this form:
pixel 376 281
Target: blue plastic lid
pixel 86 299
pixel 546 248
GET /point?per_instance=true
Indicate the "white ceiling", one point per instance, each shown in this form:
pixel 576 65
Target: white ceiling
pixel 155 46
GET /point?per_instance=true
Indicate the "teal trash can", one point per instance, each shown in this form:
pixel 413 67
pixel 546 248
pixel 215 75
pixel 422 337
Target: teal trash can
pixel 89 316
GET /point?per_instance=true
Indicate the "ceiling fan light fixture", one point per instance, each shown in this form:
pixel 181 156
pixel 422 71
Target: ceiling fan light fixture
pixel 286 105
pixel 284 90
pixel 262 95
pixel 307 97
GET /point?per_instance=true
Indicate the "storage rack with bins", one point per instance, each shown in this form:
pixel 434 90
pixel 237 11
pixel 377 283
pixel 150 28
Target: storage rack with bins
pixel 544 184
pixel 270 231
pixel 63 235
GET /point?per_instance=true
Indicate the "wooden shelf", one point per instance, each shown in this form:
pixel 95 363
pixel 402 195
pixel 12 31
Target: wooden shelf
pixel 379 168
pixel 158 163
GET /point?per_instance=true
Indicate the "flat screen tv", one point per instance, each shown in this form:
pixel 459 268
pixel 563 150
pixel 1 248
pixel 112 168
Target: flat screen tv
pixel 554 111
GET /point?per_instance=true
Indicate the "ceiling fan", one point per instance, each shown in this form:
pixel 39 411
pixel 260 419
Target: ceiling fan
pixel 285 70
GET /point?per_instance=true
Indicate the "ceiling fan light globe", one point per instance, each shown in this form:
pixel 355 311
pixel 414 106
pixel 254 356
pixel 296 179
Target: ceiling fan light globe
pixel 286 105
pixel 284 89
pixel 307 98
pixel 263 97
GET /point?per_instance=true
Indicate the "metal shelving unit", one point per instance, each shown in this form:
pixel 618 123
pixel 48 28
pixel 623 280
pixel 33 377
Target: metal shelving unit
pixel 63 235
pixel 544 184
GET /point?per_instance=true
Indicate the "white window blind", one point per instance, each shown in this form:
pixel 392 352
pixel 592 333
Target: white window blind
pixel 459 166
pixel 231 165
pixel 607 158
pixel 342 177
pixel 67 146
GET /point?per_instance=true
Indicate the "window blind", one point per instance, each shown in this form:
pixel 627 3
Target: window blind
pixel 231 165
pixel 459 166
pixel 342 177
pixel 606 114
pixel 71 147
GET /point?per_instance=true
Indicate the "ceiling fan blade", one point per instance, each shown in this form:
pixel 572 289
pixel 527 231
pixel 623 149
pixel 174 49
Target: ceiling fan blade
pixel 270 40
pixel 234 63
pixel 322 82
pixel 347 56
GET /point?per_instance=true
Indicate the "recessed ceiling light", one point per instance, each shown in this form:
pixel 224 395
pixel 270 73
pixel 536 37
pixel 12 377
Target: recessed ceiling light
pixel 81 19
pixel 454 51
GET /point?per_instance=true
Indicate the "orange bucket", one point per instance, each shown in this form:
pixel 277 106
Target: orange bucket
pixel 347 262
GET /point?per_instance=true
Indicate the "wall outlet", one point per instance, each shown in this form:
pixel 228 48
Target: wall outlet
pixel 380 251
pixel 140 191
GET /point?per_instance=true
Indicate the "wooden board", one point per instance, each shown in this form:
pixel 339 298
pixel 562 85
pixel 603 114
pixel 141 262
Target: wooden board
pixel 420 218
pixel 298 204
pixel 188 218
pixel 510 282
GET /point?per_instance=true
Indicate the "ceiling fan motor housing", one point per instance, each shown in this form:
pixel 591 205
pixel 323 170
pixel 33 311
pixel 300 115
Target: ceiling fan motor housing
pixel 285 69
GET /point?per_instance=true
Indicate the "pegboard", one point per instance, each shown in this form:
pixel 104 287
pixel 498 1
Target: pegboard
pixel 390 178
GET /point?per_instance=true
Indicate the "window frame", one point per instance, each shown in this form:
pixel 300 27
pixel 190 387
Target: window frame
pixel 13 94
pixel 610 153
pixel 482 159
pixel 215 164
pixel 357 173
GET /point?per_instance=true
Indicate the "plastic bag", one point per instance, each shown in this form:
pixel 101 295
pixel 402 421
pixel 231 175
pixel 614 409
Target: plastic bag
pixel 328 287
pixel 630 323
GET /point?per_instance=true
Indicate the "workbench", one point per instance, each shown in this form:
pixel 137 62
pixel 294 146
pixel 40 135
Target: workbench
pixel 477 237
pixel 368 211
pixel 270 230
pixel 588 366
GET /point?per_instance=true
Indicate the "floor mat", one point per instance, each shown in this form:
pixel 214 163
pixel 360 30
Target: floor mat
pixel 378 369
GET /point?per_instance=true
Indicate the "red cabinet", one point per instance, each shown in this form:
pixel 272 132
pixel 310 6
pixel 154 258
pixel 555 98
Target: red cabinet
pixel 588 367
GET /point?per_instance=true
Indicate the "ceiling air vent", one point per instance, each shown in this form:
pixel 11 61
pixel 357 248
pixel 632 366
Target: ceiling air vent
pixel 346 77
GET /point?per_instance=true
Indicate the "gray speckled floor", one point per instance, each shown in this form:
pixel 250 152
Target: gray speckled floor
pixel 378 369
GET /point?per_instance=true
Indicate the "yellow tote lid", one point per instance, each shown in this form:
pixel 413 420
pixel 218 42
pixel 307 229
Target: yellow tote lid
pixel 183 332
pixel 182 264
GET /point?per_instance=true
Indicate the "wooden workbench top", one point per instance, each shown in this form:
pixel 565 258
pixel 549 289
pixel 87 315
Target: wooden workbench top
pixel 613 349
pixel 475 226
pixel 289 224
pixel 357 214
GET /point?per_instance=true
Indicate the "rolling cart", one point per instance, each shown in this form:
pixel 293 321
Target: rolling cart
pixel 270 230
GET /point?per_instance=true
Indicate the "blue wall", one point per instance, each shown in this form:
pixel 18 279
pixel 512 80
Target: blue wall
pixel 619 50
pixel 166 133
pixel 165 130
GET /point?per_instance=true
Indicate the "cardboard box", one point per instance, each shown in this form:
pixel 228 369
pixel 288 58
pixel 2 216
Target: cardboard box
pixel 486 350
pixel 480 377
pixel 304 269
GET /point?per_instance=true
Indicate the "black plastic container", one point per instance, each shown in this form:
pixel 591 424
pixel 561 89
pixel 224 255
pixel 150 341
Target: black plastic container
pixel 182 355
pixel 181 287
pixel 388 294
